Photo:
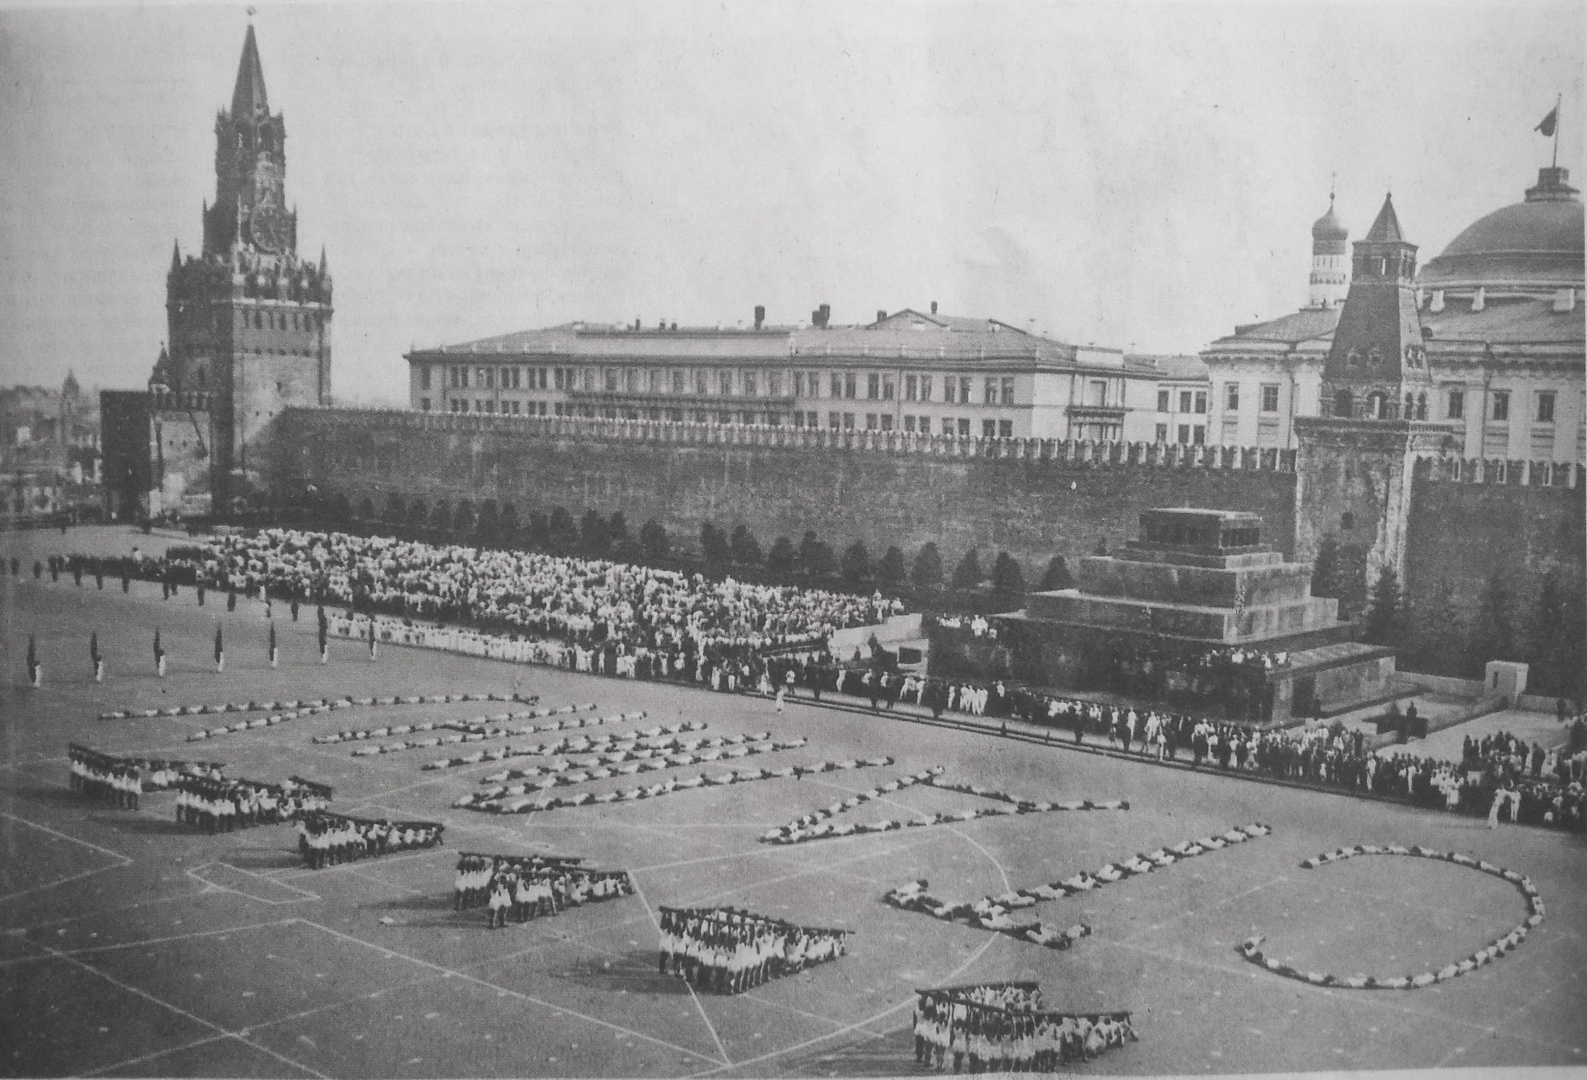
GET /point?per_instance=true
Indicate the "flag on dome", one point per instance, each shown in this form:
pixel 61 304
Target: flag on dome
pixel 1546 126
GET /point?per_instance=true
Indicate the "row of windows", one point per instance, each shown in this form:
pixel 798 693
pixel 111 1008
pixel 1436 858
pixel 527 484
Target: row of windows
pixel 277 320
pixel 1499 405
pixel 1189 401
pixel 1231 397
pixel 877 386
pixel 508 408
pixel 837 421
pixel 1189 434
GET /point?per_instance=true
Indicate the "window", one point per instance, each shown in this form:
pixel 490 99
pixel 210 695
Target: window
pixel 810 419
pixel 424 404
pixel 487 378
pixel 925 388
pixel 909 423
pixel 870 421
pixel 1198 435
pixel 887 421
pixel 964 391
pixel 562 378
pixel 799 384
pixel 1270 397
pixel 1008 391
pixel 1162 430
pixel 948 386
pixel 543 372
pixel 1097 392
pixel 1545 406
pixel 677 382
pixel 702 386
pixel 848 384
pixel 750 389
pixel 1164 398
pixel 589 378
pixel 424 376
pixel 990 396
pixel 925 425
pixel 848 421
pixel 964 421
pixel 631 382
pixel 836 388
pixel 724 383
pixel 911 390
pixel 1184 434
pixel 1201 401
pixel 988 429
pixel 774 384
pixel 1184 402
pixel 517 406
pixel 1344 404
pixel 1005 429
pixel 834 420
pixel 1231 397
pixel 873 386
pixel 1501 404
pixel 1456 408
pixel 887 388
pixel 798 419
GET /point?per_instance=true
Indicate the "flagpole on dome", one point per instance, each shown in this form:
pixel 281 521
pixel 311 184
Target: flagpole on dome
pixel 1559 98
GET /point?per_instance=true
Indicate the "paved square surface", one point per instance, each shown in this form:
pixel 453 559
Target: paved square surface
pixel 134 946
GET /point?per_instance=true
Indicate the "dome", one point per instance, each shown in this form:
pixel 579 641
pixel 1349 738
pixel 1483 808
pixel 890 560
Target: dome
pixel 1329 227
pixel 1533 244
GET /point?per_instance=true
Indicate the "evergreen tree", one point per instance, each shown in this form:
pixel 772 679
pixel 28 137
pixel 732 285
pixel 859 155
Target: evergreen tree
pixel 595 539
pixel 815 557
pixel 366 509
pixel 927 573
pixel 418 513
pixel 856 563
pixel 653 541
pixel 396 512
pixel 782 558
pixel 891 570
pixel 537 534
pixel 968 574
pixel 507 527
pixel 441 517
pixel 714 548
pixel 1439 633
pixel 562 533
pixel 1554 645
pixel 488 530
pixel 1057 575
pixel 1325 571
pixel 1008 577
pixel 1493 635
pixel 617 530
pixel 463 520
pixel 745 548
pixel 1385 621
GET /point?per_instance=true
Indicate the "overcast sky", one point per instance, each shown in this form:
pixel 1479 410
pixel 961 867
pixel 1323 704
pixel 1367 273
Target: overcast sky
pixel 1138 175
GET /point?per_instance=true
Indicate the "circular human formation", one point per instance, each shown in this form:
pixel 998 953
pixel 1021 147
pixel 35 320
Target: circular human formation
pixel 1251 948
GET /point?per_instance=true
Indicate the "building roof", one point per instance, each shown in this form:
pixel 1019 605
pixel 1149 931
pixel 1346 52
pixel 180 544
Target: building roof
pixel 248 96
pixel 1329 227
pixel 906 335
pixel 1386 227
pixel 1174 366
pixel 1307 324
pixel 1537 242
pixel 1518 320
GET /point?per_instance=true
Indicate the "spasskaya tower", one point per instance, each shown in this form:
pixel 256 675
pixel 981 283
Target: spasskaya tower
pixel 249 320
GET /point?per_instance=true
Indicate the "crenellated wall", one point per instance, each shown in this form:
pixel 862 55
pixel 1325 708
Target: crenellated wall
pixel 1032 498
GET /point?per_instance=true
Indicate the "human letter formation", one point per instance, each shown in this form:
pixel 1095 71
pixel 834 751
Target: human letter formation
pixel 532 886
pixel 1001 1027
pixel 729 951
pixel 326 839
pixel 120 780
pixel 218 804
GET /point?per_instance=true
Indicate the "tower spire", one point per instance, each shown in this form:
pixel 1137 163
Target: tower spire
pixel 248 97
pixel 176 255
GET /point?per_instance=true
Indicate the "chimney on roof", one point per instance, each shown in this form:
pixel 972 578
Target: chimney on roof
pixel 674 324
pixel 662 325
pixel 821 316
pixel 933 307
pixel 881 314
pixel 760 315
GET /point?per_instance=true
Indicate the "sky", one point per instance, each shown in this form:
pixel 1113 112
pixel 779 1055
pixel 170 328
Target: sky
pixel 1139 175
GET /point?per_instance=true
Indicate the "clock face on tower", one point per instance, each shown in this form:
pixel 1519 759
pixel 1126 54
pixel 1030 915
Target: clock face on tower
pixel 267 227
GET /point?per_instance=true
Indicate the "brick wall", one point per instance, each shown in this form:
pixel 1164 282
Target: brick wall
pixel 1042 499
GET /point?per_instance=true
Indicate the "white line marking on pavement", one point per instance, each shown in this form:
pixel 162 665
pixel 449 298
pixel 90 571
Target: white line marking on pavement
pixel 146 941
pixel 508 991
pixel 720 1049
